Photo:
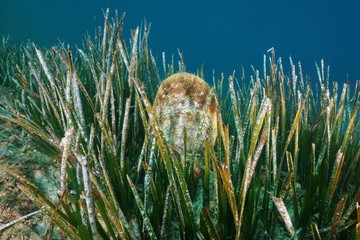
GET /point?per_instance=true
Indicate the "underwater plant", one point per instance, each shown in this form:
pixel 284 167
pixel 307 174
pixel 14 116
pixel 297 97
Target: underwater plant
pixel 10 56
pixel 285 162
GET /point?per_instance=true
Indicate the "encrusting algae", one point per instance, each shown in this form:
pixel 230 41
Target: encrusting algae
pixel 184 102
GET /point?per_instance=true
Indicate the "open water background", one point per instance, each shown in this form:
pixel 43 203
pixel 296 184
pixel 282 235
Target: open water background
pixel 221 35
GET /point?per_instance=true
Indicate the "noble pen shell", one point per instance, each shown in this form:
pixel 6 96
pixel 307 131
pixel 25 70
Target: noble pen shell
pixel 184 102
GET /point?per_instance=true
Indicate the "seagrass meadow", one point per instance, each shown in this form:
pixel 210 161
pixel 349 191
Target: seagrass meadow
pixel 285 164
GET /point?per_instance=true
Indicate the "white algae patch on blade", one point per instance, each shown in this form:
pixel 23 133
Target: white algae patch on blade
pixel 65 144
pixel 285 215
pixel 184 101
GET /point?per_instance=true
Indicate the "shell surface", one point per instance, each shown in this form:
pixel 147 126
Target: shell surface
pixel 183 102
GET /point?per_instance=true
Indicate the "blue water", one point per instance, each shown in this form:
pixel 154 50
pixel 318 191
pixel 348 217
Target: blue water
pixel 222 35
